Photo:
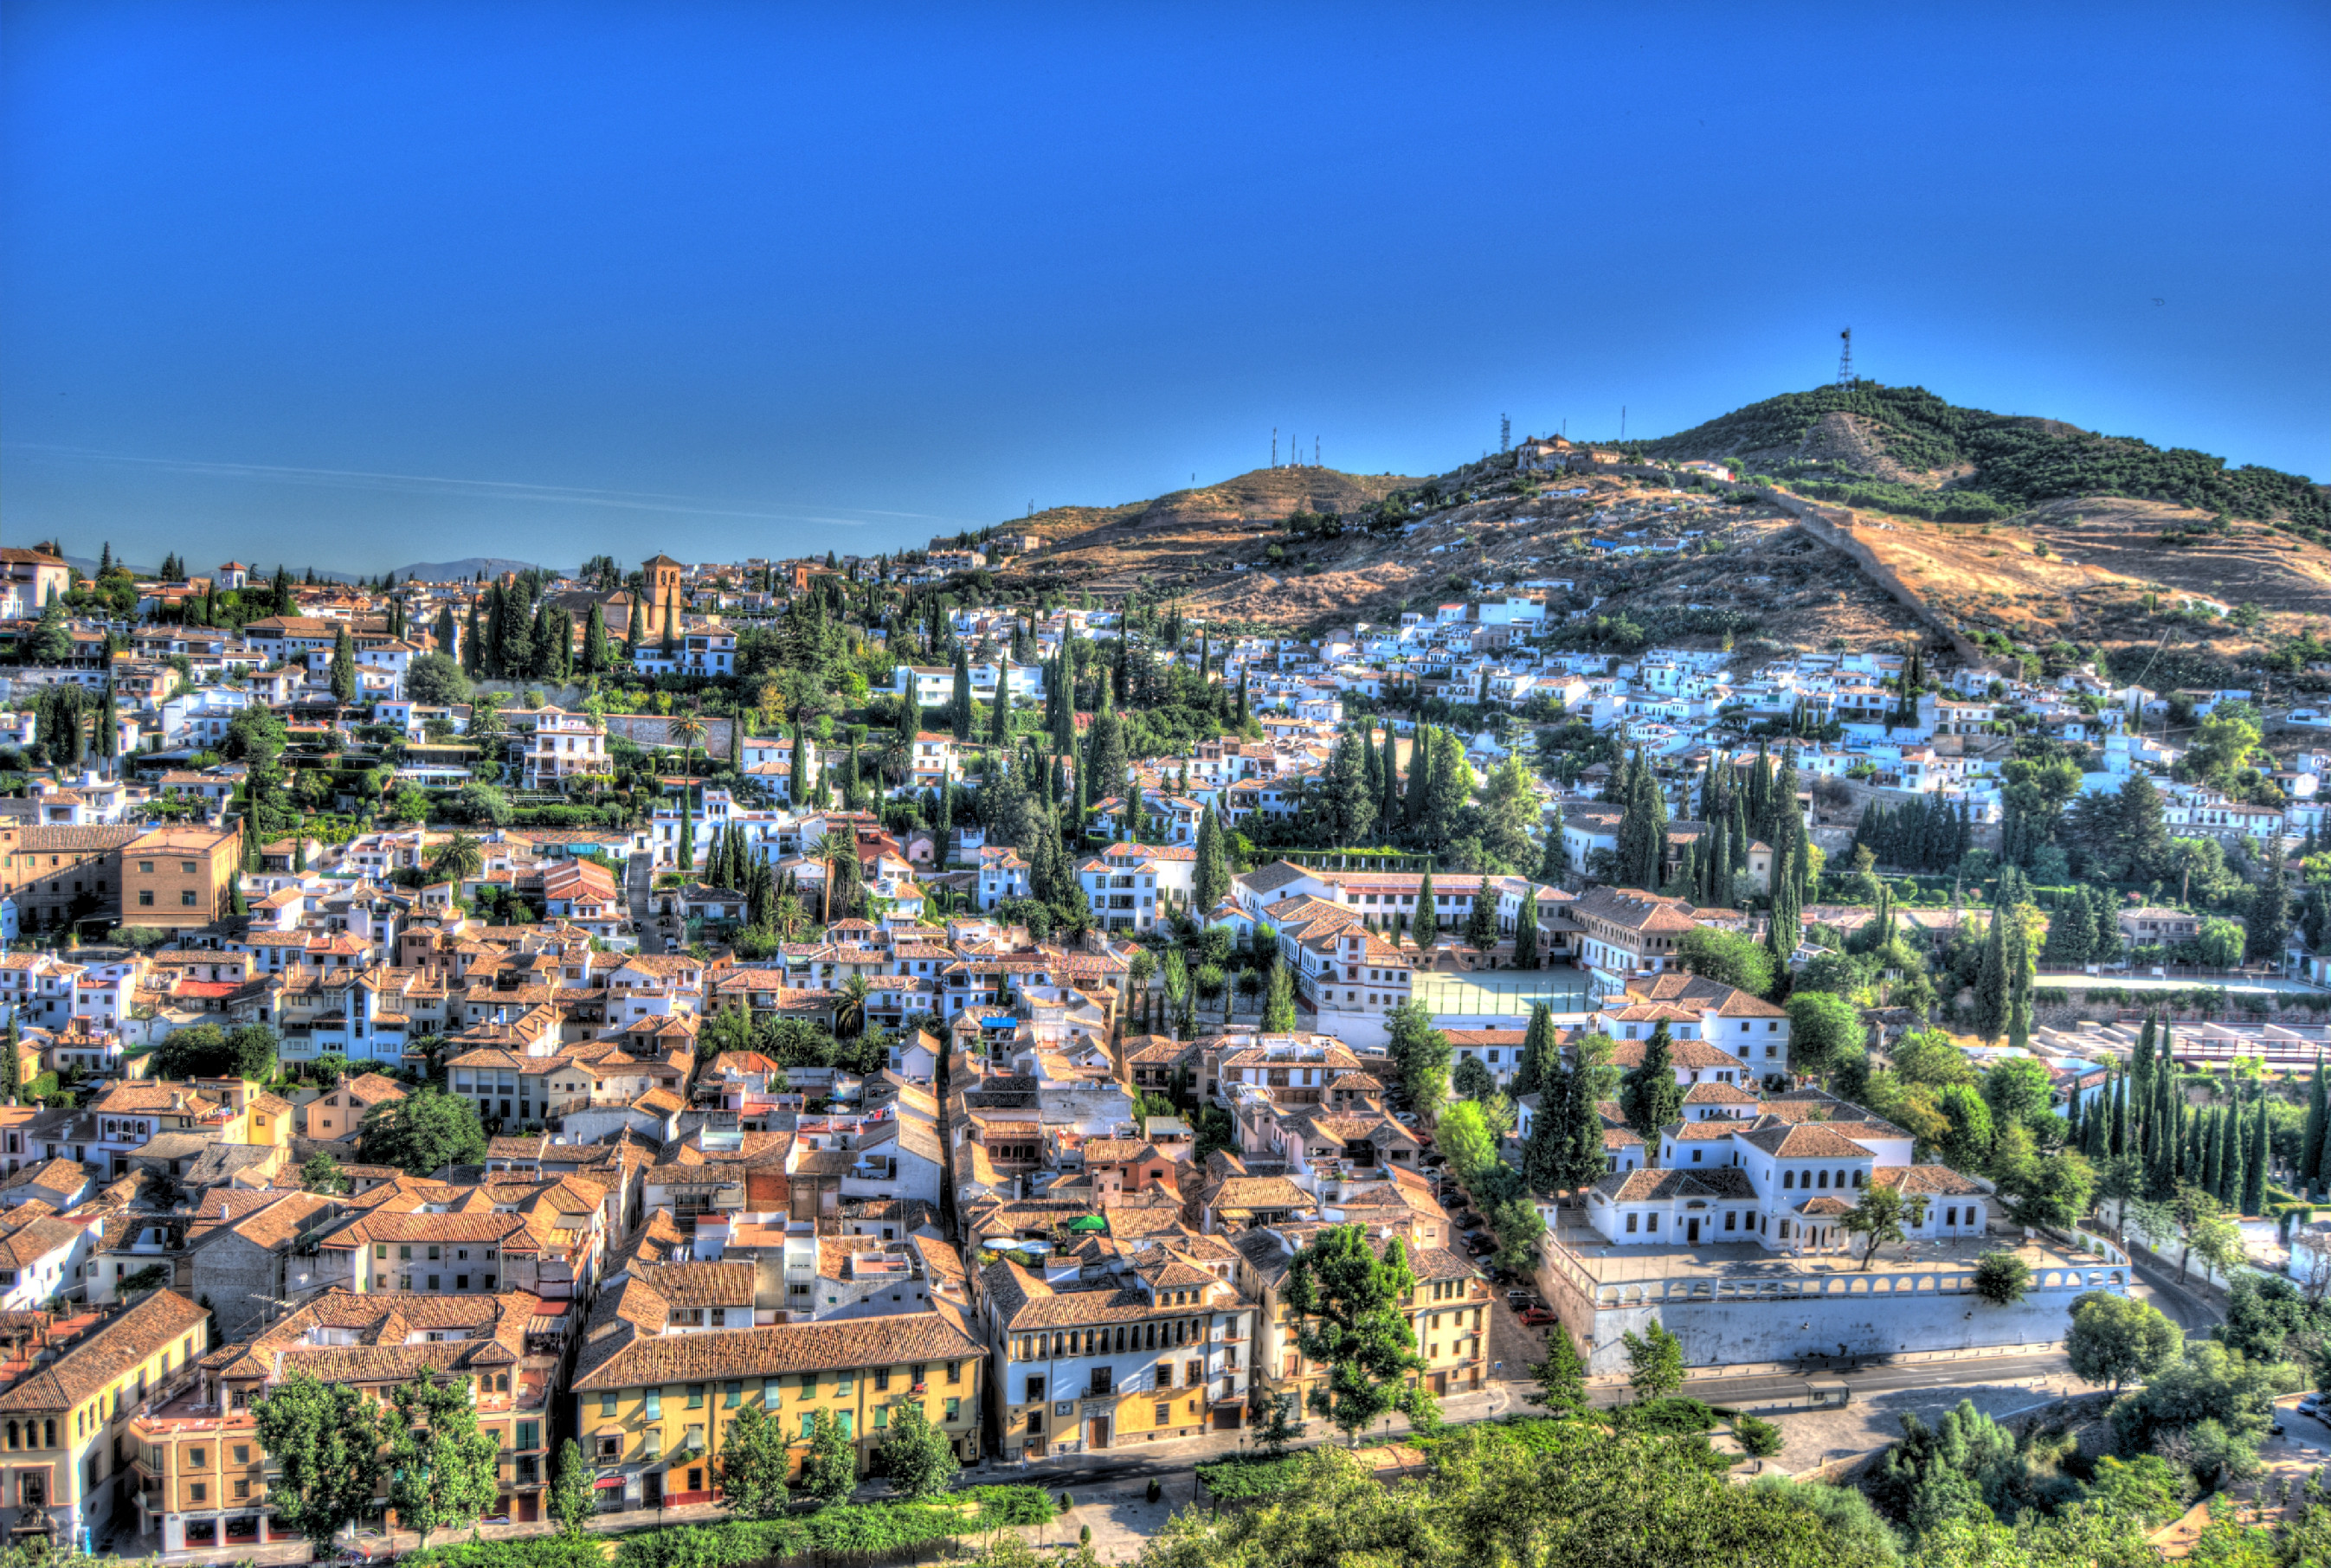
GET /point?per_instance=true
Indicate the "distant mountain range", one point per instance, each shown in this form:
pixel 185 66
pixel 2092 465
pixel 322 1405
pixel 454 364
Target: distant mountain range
pixel 427 571
pixel 468 566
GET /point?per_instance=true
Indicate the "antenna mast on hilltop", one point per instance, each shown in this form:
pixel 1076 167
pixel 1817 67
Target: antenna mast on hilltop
pixel 1504 432
pixel 1274 446
pixel 1845 376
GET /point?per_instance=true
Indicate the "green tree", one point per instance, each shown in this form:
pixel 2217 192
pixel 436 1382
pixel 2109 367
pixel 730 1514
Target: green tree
pixel 1880 1215
pixel 1350 1308
pixel 2018 1089
pixel 1758 1439
pixel 2118 1339
pixel 322 1174
pixel 51 638
pixel 461 859
pixel 1278 1007
pixel 914 1455
pixel 425 1131
pixel 572 1496
pixel 1650 1097
pixel 1967 1147
pixel 2002 1278
pixel 436 678
pixel 1654 1362
pixel 1419 1054
pixel 325 1441
pixel 1731 958
pixel 443 1472
pixel 1822 1027
pixel 1481 924
pixel 1464 1137
pixel 1561 1377
pixel 753 1464
pixel 344 665
pixel 1541 1051
pixel 829 1469
pixel 1211 880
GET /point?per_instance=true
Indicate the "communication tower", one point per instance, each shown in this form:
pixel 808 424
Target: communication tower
pixel 1845 376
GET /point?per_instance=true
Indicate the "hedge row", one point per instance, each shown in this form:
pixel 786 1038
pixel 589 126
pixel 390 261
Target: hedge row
pixel 848 1527
pixel 1236 1480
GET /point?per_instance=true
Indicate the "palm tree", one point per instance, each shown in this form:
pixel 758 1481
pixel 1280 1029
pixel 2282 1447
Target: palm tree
pixel 850 1008
pixel 689 729
pixel 461 860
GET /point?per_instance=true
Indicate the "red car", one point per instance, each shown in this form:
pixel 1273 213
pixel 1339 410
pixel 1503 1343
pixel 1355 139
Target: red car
pixel 1537 1318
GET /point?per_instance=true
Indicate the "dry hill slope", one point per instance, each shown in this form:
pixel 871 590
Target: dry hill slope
pixel 2080 544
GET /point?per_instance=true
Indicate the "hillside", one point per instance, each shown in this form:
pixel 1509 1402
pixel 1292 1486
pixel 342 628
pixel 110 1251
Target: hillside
pixel 2183 590
pixel 1982 466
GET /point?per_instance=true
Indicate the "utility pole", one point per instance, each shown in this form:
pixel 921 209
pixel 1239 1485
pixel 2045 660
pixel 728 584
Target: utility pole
pixel 1274 446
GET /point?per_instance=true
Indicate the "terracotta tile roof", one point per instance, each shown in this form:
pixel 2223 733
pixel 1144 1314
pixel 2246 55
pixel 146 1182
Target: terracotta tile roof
pixel 616 1354
pixel 1937 1181
pixel 700 1283
pixel 1658 1186
pixel 106 1353
pixel 1805 1141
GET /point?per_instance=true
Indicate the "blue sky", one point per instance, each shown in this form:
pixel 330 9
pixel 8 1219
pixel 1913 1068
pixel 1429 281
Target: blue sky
pixel 357 285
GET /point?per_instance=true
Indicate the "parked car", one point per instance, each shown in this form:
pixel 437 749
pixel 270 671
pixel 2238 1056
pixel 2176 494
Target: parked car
pixel 1517 1298
pixel 1536 1317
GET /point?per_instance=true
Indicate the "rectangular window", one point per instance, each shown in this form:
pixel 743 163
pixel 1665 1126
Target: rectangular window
pixel 696 1396
pixel 197 1492
pixel 655 1410
pixel 881 1378
pixel 809 1420
pixel 145 898
pixel 1631 1224
pixel 187 899
pixel 608 1402
pixel 881 1417
pixel 529 1434
pixel 849 1421
pixel 733 1395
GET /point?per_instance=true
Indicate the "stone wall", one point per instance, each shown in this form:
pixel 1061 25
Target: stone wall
pixel 1735 1318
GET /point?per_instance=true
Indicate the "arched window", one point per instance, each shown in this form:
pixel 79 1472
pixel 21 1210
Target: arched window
pixel 1857 1178
pixel 1788 1179
pixel 48 1434
pixel 1823 1181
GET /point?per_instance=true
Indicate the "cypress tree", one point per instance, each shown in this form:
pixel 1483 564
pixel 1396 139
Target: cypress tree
pixel 2310 1145
pixel 670 621
pixel 1554 861
pixel 2123 1143
pixel 1371 783
pixel 2254 1168
pixel 959 702
pixel 1991 983
pixel 1419 768
pixel 1388 786
pixel 1583 1159
pixel 1428 910
pixel 1211 879
pixel 473 656
pixel 1538 1052
pixel 595 660
pixel 1526 929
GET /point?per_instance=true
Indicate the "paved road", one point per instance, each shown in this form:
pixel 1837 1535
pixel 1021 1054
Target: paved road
pixel 2189 1307
pixel 636 885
